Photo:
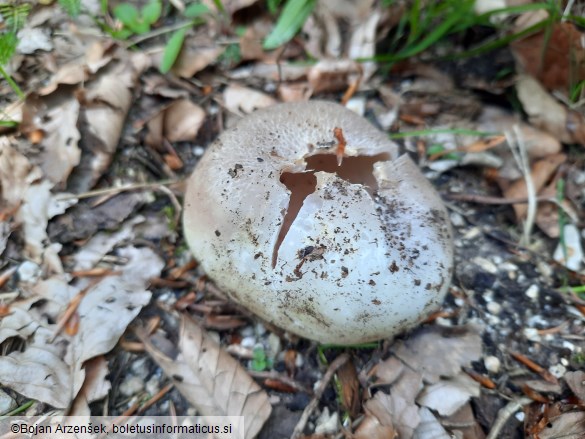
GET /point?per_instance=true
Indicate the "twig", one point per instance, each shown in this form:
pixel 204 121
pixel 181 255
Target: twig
pixel 336 364
pixel 282 378
pixel 518 148
pixel 484 199
pixel 116 190
pixel 505 413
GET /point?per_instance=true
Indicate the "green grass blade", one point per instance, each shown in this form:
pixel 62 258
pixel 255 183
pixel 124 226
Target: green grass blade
pixel 172 50
pixel 292 18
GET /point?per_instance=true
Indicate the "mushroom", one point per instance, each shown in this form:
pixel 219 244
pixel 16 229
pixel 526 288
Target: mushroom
pixel 305 214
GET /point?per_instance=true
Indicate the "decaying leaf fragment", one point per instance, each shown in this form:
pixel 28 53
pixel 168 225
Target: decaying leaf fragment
pixel 211 380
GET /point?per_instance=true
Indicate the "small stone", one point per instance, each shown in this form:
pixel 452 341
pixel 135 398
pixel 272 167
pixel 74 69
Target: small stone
pixel 486 265
pixel 153 385
pixel 519 416
pixel 248 342
pixel 532 334
pixel 572 245
pixel 274 345
pixel 492 364
pixel 472 233
pixel 140 367
pixel 532 292
pixel 557 370
pixel 28 272
pixel 198 151
pixel 6 403
pixel 457 219
pixel 132 385
pixel 326 423
pixel 494 307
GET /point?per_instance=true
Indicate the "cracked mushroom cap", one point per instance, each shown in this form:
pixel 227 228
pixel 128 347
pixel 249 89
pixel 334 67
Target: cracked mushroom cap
pixel 305 214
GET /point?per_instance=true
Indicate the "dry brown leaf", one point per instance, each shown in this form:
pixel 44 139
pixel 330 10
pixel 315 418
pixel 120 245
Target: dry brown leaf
pixel 576 382
pixel 547 113
pixel 196 54
pixel 370 428
pixel 565 426
pixel 449 395
pixel 350 388
pixel 556 57
pixel 388 371
pixel 16 173
pixel 540 172
pixel 333 75
pixel 51 368
pixel 394 411
pixel 108 100
pixel 95 387
pixel 538 143
pixel 240 99
pixel 429 427
pixel 182 120
pixel 294 92
pixel 425 350
pixel 39 372
pixel 60 153
pixel 38 206
pixel 211 380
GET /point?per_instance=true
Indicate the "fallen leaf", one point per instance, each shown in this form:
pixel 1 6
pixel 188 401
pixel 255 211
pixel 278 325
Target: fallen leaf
pixel 576 382
pixel 238 99
pixel 429 427
pixel 547 113
pixel 565 426
pixel 449 395
pixel 424 350
pixel 182 120
pixel 333 75
pixel 555 56
pixel 196 54
pixel 59 150
pixel 95 387
pixel 107 99
pixel 394 411
pixel 211 380
pixel 540 173
pixel 350 388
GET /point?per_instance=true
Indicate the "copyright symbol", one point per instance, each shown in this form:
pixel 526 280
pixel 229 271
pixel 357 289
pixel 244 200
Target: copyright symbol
pixel 14 428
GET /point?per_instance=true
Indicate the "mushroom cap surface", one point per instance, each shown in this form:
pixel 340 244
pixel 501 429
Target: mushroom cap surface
pixel 340 254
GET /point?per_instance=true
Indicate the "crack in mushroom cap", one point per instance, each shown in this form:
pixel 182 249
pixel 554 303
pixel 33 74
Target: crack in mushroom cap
pixel 358 261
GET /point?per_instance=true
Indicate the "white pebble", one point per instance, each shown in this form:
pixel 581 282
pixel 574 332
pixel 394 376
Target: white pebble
pixel 558 370
pixel 494 307
pixel 248 342
pixel 131 386
pixel 492 364
pixel 198 150
pixel 486 265
pixel 519 416
pixel 531 334
pixel 532 292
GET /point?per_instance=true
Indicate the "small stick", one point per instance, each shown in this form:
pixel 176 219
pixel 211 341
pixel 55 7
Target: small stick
pixel 505 413
pixel 117 190
pixel 336 364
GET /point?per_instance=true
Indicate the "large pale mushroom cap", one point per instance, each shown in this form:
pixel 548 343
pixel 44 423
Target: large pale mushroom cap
pixel 338 254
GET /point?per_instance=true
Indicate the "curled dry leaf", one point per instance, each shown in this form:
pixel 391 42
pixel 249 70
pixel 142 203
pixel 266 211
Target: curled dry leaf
pixel 107 101
pixel 547 113
pixel 95 387
pixel 540 172
pixel 178 122
pixel 211 380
